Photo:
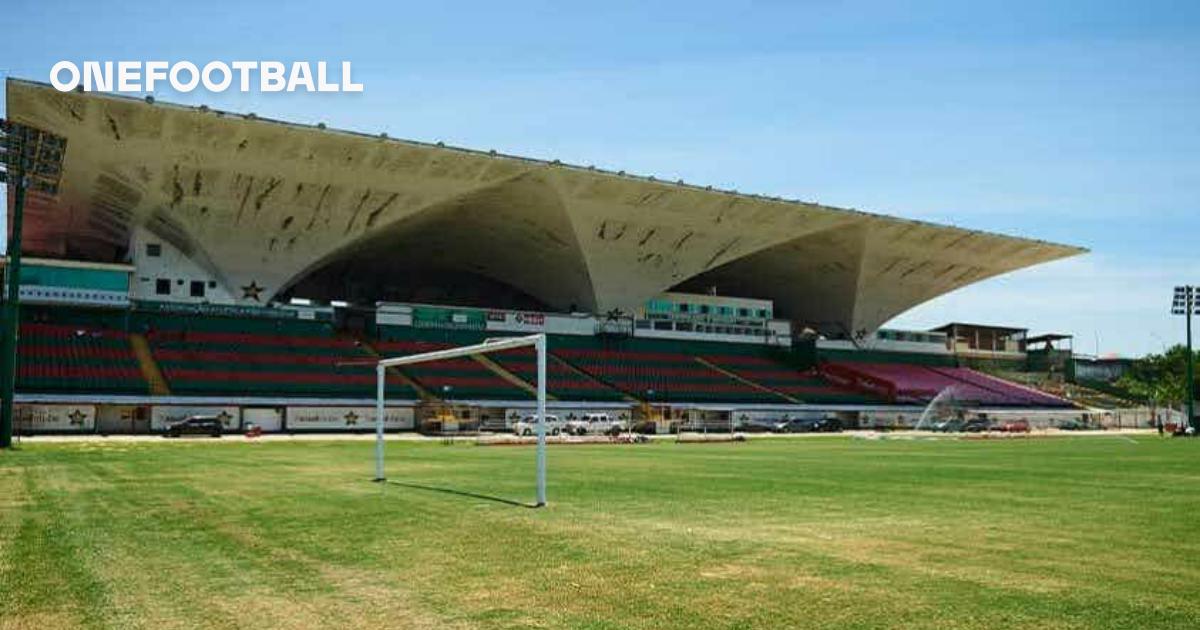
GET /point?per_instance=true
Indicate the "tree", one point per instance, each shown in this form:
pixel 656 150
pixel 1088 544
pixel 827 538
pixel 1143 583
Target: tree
pixel 1159 379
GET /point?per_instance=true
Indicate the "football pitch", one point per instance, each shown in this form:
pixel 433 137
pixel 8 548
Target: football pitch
pixel 773 533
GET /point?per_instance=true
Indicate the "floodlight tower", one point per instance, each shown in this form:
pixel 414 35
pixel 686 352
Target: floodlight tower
pixel 1187 303
pixel 30 159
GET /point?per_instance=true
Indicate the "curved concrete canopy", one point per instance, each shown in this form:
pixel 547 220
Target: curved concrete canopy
pixel 271 203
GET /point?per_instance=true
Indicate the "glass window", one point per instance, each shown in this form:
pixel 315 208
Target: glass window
pixel 162 286
pixel 154 250
pixel 197 288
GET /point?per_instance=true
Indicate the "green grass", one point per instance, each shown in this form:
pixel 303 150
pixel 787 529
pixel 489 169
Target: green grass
pixel 838 532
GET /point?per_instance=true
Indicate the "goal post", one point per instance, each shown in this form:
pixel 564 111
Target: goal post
pixel 538 341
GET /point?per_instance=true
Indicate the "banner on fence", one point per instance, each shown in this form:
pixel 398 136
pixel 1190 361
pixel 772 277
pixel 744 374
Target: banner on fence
pixel 346 418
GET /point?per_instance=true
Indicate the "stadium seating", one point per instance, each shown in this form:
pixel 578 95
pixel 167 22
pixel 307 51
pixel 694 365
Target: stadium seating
pixel 561 382
pixel 78 350
pixel 216 355
pixel 462 378
pixel 919 383
pixel 657 372
pixel 469 379
pixel 77 358
pixel 806 386
pixel 1011 393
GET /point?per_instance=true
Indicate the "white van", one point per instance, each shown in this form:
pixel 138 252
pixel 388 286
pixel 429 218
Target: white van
pixel 528 425
pixel 597 423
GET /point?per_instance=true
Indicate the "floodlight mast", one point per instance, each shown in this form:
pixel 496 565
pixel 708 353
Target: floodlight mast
pixel 538 341
pixel 1187 303
pixel 30 159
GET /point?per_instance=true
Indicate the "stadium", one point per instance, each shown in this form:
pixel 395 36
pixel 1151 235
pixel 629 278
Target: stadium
pixel 188 260
pixel 288 289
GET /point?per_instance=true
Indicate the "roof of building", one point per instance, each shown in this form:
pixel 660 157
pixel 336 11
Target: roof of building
pixel 946 328
pixel 270 203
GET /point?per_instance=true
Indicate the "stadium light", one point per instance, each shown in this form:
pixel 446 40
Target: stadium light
pixel 30 159
pixel 1187 303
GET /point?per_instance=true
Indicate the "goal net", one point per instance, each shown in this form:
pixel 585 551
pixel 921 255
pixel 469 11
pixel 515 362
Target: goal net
pixel 538 342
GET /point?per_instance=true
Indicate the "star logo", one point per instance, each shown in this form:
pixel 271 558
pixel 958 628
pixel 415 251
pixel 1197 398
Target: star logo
pixel 224 417
pixel 252 292
pixel 351 419
pixel 76 417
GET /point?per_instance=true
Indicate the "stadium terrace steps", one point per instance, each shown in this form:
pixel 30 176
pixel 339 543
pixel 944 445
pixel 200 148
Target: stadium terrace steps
pixel 563 380
pixel 205 356
pixel 921 383
pixel 657 372
pixel 1081 392
pixel 515 380
pixel 1014 392
pixel 737 377
pixel 149 367
pixel 452 379
pixel 88 350
pixel 76 357
pixel 806 386
pixel 422 393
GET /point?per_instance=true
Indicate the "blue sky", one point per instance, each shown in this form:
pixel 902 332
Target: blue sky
pixel 1076 122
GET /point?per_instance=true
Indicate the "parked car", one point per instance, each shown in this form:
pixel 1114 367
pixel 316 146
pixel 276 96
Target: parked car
pixel 1073 425
pixel 977 425
pixel 1015 426
pixel 528 425
pixel 760 425
pixel 949 426
pixel 595 423
pixel 195 425
pixel 809 425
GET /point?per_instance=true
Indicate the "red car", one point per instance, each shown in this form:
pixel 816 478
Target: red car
pixel 1015 426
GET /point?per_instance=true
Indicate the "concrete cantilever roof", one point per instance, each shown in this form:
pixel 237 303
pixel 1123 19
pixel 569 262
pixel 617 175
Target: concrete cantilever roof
pixel 270 202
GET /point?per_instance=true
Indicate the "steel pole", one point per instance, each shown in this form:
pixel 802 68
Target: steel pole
pixel 540 346
pixel 379 385
pixel 8 364
pixel 1191 361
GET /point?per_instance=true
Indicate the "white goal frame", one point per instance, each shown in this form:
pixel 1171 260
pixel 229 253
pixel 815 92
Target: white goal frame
pixel 538 341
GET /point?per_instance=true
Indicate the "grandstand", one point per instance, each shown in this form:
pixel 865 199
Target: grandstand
pixel 193 259
pixel 70 358
pixel 231 356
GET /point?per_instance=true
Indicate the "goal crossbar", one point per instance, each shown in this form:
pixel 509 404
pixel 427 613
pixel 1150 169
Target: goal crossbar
pixel 538 341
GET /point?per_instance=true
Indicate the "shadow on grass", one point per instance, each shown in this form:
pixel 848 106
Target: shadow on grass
pixel 462 493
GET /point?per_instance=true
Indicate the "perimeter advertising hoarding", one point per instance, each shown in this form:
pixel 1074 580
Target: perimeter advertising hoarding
pixel 45 418
pixel 346 418
pixel 163 415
